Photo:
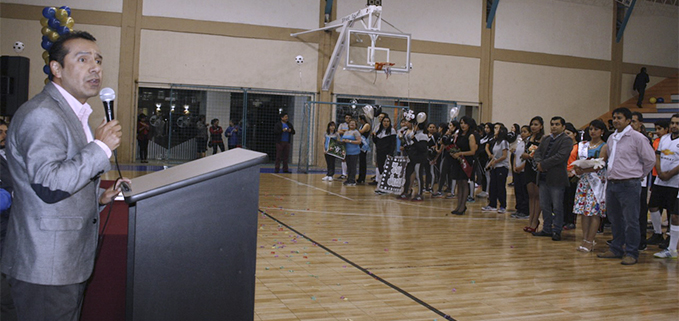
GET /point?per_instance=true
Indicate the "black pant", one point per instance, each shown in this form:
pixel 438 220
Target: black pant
pixel 143 149
pixel 362 166
pixel 569 201
pixel 330 160
pixel 381 159
pixel 417 169
pixel 521 192
pixel 351 168
pixel 47 302
pixel 218 144
pixel 446 178
pixel 498 187
pixel 643 214
pixel 641 96
pixel 282 155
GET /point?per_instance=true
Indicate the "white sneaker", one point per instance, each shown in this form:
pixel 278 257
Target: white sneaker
pixel 482 194
pixel 501 210
pixel 329 178
pixel 666 254
pixel 488 209
pixel 325 178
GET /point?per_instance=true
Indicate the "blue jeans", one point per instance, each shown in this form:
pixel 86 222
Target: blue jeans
pixel 551 202
pixel 622 209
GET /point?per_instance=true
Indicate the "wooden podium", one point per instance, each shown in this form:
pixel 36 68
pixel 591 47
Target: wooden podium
pixel 192 240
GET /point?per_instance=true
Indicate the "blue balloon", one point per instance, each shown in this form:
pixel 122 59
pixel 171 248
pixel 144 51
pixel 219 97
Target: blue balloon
pixel 46 69
pixel 67 9
pixel 49 12
pixel 660 100
pixel 63 30
pixel 54 23
pixel 46 44
pixel 45 38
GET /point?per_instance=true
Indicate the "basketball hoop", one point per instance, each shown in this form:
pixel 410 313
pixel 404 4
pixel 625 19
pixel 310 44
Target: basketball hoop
pixel 380 65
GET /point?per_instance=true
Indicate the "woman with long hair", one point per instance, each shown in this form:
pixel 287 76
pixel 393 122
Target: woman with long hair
pixel 385 144
pixel 447 142
pixel 569 193
pixel 590 195
pixel 483 157
pixel 364 130
pixel 464 159
pixel 537 129
pixel 499 168
pixel 330 133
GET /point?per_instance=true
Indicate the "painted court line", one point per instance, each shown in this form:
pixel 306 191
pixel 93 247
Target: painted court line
pixel 362 269
pixel 449 217
pixel 314 187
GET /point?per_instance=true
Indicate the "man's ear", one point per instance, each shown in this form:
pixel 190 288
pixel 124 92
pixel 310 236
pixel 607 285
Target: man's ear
pixel 55 68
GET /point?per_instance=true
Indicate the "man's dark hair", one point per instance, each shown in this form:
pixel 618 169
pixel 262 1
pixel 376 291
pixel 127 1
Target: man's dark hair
pixel 3 122
pixel 623 111
pixel 58 51
pixel 283 115
pixel 675 116
pixel 640 117
pixel 213 121
pixel 664 123
pixel 560 119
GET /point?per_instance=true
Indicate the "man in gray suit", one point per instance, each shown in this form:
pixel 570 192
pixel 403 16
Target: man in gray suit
pixel 551 158
pixel 55 163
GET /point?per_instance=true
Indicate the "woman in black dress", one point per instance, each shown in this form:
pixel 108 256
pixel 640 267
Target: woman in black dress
pixel 466 143
pixel 537 130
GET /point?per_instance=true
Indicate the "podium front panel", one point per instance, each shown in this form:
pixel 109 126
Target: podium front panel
pixel 192 251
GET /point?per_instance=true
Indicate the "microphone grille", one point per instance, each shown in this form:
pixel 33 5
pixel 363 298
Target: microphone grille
pixel 107 94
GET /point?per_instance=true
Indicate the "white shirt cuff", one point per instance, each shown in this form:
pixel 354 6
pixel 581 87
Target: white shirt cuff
pixel 104 148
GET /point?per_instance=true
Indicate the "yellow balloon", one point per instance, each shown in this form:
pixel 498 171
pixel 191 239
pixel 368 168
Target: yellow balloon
pixel 46 31
pixel 43 22
pixel 69 23
pixel 47 80
pixel 46 57
pixel 61 15
pixel 53 36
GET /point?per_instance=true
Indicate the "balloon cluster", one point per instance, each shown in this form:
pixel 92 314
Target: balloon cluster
pixel 408 114
pixel 55 23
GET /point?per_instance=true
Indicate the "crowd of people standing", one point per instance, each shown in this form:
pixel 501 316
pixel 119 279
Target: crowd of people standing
pixel 599 177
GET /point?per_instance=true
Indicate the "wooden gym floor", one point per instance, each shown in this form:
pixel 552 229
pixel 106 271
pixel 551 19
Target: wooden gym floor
pixel 330 252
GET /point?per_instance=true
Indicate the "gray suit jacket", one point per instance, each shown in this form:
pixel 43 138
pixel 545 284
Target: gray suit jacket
pixel 52 233
pixel 556 161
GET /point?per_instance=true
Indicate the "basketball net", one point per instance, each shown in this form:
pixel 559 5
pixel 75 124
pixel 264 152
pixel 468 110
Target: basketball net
pixel 386 66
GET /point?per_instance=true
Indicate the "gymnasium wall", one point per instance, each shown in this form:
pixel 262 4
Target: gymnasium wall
pixel 542 56
pixel 522 91
pixel 187 58
pixel 555 27
pixel 652 35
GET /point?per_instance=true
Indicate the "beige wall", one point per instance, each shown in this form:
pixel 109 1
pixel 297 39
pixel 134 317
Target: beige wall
pixel 27 31
pixel 522 91
pixel 184 58
pixel 432 77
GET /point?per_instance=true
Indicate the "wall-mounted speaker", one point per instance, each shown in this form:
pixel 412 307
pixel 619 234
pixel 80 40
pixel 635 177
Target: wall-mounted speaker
pixel 13 83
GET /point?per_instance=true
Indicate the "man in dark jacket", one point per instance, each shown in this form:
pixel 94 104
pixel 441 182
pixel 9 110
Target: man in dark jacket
pixel 283 131
pixel 640 85
pixel 551 158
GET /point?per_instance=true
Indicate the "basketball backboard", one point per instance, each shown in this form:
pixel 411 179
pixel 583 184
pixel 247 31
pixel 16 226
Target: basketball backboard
pixel 369 50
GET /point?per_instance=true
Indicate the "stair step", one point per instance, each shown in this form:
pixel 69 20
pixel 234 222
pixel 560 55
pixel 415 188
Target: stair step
pixel 665 106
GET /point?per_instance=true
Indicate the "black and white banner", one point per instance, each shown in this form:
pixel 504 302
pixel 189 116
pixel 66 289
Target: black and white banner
pixel 394 176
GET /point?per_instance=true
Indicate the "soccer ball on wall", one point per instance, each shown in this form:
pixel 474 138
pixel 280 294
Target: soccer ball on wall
pixel 299 59
pixel 18 46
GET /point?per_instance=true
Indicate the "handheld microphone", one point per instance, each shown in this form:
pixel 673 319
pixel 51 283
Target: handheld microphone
pixel 107 95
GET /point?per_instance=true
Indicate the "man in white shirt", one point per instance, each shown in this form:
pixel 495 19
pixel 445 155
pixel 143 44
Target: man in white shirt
pixel 666 186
